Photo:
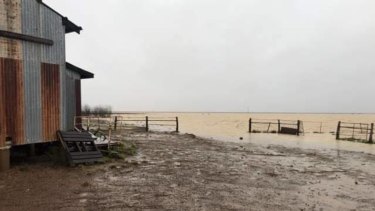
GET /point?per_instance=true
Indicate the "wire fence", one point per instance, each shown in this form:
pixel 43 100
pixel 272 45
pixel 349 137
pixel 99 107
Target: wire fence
pixel 127 122
pixel 355 131
pixel 146 123
pixel 291 127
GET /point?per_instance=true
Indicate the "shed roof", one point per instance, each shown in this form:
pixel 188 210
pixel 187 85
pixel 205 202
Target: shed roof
pixel 69 26
pixel 83 73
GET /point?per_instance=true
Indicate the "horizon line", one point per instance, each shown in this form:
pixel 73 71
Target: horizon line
pixel 243 112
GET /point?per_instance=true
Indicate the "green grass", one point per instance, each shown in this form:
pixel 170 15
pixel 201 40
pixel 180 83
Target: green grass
pixel 122 150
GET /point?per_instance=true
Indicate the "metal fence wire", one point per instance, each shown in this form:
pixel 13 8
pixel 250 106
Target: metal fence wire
pixel 292 127
pixel 355 131
pixel 127 122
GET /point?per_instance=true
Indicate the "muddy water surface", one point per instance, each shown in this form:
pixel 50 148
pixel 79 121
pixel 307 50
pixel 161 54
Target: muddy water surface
pixel 232 126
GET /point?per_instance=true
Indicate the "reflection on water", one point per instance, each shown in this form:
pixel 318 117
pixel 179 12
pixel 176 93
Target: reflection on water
pixel 232 126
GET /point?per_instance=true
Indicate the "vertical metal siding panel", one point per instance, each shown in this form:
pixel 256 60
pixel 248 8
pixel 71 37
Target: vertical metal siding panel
pixel 2 105
pixel 20 104
pixel 68 91
pixel 32 66
pixel 12 99
pixel 77 87
pixel 52 28
pixel 13 93
pixel 51 114
pixel 71 77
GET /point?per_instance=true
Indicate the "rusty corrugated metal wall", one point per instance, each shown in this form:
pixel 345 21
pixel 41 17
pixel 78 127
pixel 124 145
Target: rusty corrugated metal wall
pixel 12 99
pixel 32 18
pixel 2 109
pixel 52 28
pixel 38 20
pixel 11 74
pixel 50 78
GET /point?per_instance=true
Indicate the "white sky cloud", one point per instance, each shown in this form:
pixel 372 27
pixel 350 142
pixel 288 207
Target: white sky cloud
pixel 221 55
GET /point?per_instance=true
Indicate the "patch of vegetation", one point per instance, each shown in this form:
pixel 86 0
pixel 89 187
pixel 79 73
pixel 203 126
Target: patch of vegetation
pixel 121 150
pixel 100 110
pixel 256 131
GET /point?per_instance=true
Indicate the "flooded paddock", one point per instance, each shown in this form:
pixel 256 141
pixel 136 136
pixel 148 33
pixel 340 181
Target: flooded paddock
pixel 318 129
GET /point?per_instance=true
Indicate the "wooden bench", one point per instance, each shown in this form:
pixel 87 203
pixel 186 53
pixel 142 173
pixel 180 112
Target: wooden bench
pixel 80 147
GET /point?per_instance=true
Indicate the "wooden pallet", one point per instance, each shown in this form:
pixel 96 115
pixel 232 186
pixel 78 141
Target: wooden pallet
pixel 80 147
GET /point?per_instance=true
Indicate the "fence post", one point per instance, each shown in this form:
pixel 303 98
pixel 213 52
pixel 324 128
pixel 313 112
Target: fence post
pixel 321 125
pixel 278 126
pixel 338 131
pixel 88 124
pixel 298 126
pixel 109 136
pixel 147 124
pixel 177 125
pixel 115 125
pixel 250 122
pixel 371 133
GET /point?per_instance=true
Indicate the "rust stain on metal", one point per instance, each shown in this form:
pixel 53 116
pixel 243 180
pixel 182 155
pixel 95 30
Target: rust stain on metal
pixel 11 101
pixel 10 13
pixel 50 84
pixel 10 20
pixel 2 107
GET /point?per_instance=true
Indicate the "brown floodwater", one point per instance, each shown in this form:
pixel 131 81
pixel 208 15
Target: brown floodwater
pixel 232 126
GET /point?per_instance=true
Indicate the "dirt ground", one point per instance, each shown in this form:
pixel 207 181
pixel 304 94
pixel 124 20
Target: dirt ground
pixel 182 172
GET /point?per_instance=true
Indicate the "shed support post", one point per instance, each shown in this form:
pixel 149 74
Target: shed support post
pixel 32 150
pixel 338 130
pixel 278 126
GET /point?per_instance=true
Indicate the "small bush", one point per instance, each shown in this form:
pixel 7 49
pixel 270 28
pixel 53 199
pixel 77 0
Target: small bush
pixel 101 111
pixel 86 110
pixel 129 149
pixel 122 150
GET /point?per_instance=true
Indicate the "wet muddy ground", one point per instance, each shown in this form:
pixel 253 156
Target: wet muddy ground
pixel 182 172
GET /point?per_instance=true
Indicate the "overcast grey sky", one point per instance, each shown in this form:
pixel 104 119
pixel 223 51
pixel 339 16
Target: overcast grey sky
pixel 225 55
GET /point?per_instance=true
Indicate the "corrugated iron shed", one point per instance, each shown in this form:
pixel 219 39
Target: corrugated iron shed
pixel 36 87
